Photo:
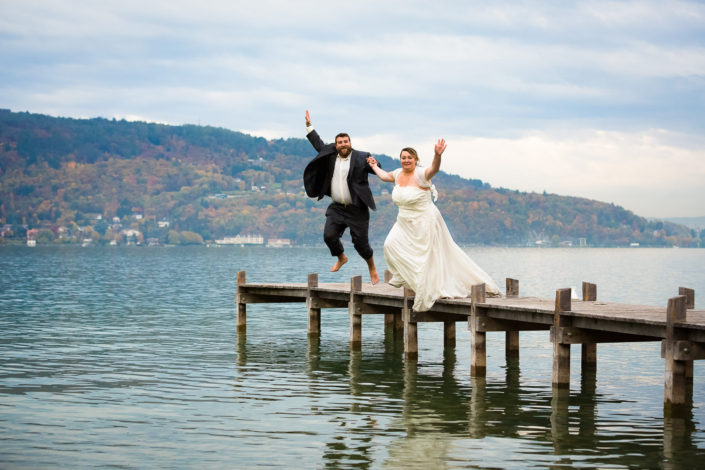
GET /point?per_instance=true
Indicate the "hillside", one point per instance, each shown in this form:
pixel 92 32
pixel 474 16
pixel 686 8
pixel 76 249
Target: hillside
pixel 70 179
pixel 697 223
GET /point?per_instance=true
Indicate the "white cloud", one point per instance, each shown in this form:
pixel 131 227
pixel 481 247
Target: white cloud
pixel 563 96
pixel 642 171
pixel 654 173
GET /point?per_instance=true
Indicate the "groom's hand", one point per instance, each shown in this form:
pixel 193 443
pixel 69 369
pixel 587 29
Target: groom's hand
pixel 308 119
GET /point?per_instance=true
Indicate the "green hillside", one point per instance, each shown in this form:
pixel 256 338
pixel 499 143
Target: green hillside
pixel 66 180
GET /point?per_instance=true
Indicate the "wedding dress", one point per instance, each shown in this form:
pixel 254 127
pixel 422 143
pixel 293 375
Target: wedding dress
pixel 421 254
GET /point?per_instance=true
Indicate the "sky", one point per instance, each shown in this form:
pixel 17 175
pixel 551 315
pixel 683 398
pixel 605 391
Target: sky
pixel 597 99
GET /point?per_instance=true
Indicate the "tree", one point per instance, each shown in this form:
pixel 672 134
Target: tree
pixel 173 238
pixel 190 238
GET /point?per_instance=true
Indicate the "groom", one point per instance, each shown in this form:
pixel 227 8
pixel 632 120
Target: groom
pixel 340 172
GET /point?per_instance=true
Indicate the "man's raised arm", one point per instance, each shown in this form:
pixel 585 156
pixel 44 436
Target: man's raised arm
pixel 312 135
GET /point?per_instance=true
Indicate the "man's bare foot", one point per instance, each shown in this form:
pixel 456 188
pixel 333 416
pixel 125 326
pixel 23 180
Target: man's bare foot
pixel 342 259
pixel 374 277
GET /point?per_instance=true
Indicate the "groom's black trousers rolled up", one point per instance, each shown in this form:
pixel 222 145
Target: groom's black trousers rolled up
pixel 352 216
pixel 356 215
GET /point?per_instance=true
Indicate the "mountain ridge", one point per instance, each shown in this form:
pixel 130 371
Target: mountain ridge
pixel 213 182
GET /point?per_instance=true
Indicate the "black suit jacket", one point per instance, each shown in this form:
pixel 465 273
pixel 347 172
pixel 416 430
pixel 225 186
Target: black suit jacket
pixel 319 172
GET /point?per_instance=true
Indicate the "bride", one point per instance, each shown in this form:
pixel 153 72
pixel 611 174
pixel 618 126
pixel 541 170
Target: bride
pixel 419 250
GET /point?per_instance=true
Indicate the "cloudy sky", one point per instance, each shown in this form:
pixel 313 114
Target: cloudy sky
pixel 598 99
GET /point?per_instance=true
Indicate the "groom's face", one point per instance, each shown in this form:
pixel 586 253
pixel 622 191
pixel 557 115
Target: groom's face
pixel 342 145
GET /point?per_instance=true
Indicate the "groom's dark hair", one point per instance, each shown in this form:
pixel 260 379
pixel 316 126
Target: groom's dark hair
pixel 342 134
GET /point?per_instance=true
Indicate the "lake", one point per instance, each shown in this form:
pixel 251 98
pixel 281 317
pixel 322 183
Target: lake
pixel 128 357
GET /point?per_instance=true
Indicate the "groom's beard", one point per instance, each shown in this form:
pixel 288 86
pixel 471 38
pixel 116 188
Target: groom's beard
pixel 344 151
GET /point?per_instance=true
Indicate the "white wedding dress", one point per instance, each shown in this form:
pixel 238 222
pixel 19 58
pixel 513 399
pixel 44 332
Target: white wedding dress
pixel 421 254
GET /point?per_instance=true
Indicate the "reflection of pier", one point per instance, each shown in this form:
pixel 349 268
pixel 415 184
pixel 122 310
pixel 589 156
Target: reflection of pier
pixel 587 322
pixel 428 413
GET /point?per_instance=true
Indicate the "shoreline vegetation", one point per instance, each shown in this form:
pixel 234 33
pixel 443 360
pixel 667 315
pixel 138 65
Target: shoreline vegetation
pixel 113 182
pixel 6 243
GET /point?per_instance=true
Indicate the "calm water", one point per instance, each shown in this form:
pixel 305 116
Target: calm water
pixel 129 358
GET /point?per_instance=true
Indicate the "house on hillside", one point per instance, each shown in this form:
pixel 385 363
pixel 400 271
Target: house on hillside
pixel 132 236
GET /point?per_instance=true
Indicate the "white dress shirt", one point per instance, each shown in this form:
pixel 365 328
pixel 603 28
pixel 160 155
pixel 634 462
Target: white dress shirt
pixel 339 190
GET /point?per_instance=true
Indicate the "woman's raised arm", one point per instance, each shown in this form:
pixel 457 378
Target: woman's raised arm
pixel 435 167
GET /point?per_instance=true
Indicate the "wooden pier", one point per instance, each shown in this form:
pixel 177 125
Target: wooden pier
pixel 679 328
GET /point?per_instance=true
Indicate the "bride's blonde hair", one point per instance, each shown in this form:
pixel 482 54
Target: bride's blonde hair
pixel 412 152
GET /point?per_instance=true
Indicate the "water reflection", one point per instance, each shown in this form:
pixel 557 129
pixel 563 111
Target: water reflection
pixel 678 446
pixel 422 414
pixel 241 347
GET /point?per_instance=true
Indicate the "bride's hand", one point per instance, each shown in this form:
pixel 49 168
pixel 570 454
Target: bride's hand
pixel 371 161
pixel 440 147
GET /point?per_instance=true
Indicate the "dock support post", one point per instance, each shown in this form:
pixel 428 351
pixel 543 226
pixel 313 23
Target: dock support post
pixel 449 334
pixel 241 306
pixel 561 352
pixel 399 322
pixel 388 317
pixel 355 314
pixel 314 313
pixel 689 305
pixel 411 340
pixel 478 338
pixel 392 320
pixel 511 338
pixel 589 350
pixel 676 386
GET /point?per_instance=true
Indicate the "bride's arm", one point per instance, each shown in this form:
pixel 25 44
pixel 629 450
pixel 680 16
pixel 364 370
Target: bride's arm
pixel 383 175
pixel 435 167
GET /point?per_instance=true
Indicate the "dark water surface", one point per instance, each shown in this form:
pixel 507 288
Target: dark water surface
pixel 129 358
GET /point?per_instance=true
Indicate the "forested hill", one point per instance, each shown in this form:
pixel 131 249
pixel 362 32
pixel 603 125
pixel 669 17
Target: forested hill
pixel 71 178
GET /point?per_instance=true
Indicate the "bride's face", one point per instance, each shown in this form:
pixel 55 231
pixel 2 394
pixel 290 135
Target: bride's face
pixel 408 162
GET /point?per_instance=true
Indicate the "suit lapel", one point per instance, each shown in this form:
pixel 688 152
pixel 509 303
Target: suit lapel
pixel 354 162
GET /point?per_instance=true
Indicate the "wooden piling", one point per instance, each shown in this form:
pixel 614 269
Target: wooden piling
pixel 241 305
pixel 689 305
pixel 512 287
pixel 675 386
pixel 449 334
pixel 388 317
pixel 399 322
pixel 355 311
pixel 589 350
pixel 689 297
pixel 561 351
pixel 511 338
pixel 392 320
pixel 411 340
pixel 589 291
pixel 478 337
pixel 314 312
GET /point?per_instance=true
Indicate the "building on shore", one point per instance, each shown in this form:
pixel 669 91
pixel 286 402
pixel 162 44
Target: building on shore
pixel 248 239
pixel 279 243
